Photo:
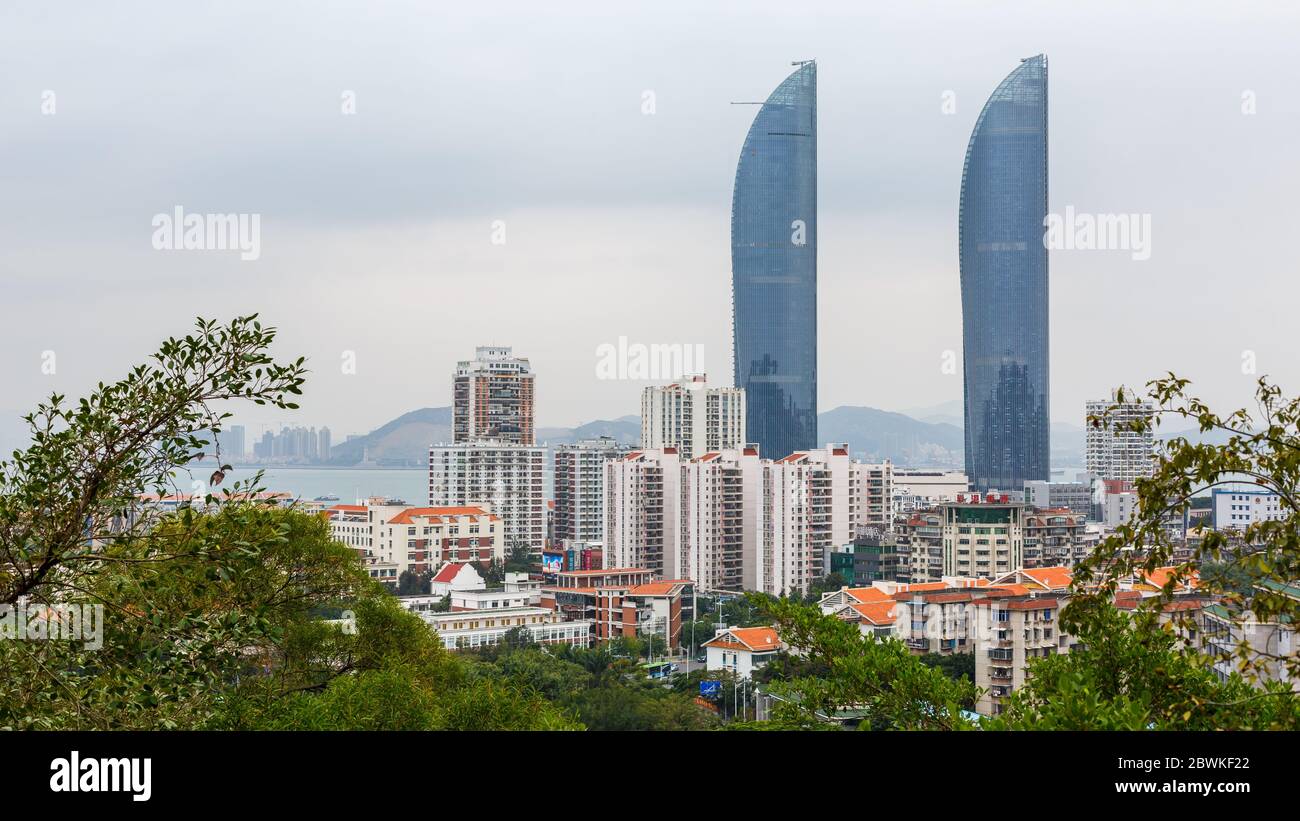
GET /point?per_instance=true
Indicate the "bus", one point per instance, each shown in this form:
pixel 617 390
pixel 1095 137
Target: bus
pixel 658 669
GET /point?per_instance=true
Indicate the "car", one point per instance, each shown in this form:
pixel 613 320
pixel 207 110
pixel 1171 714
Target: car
pixel 702 658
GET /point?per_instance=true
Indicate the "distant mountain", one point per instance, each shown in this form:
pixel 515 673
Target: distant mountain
pixel 403 442
pixel 875 435
pixel 625 429
pixel 951 413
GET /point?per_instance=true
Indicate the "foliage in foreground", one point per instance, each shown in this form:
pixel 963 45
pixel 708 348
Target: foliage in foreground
pixel 879 678
pixel 210 619
pixel 1132 675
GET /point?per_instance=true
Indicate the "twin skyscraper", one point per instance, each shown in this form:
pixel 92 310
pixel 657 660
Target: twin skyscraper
pixel 1003 263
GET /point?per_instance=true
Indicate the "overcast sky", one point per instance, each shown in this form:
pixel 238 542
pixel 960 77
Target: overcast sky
pixel 376 227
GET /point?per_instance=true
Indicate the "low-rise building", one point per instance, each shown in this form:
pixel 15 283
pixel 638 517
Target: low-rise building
pixel 485 628
pixel 455 577
pixel 1239 509
pixel 742 650
pixel 623 603
pixel 1020 628
pixel 1074 496
pixel 1269 645
pixel 391 539
pixel 494 599
pixel 874 555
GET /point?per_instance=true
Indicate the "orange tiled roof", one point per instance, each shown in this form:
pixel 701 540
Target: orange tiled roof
pixel 878 612
pixel 867 594
pixel 757 639
pixel 407 517
pixel 1050 578
pixel 1161 575
pixel 1008 590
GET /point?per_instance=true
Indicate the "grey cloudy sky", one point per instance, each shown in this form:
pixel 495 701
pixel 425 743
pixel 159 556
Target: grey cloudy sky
pixel 376 227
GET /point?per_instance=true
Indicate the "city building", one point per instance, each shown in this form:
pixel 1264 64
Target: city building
pixel 1229 634
pixel 874 555
pixel 492 398
pixel 1077 496
pixel 692 417
pixel 742 650
pixel 456 577
pixel 1056 537
pixel 723 520
pixel 297 445
pixel 580 490
pixel 774 269
pixel 731 520
pixel 920 547
pixel 1116 501
pixel 921 489
pixel 392 539
pixel 983 535
pixel 623 602
pixel 1003 261
pixel 1112 450
pixel 485 628
pixel 233 444
pixel 1239 509
pixel 610 577
pixel 504 478
pixel 813 501
pixel 643 512
pixel 495 599
pixel 1020 628
pixel 876 488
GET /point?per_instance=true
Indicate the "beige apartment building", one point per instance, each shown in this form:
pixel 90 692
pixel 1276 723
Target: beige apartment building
pixel 1012 632
pixel 983 535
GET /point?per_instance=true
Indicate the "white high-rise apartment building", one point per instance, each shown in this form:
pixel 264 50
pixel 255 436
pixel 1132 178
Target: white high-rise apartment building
pixel 643 512
pixel 1111 451
pixel 692 417
pixel 876 487
pixel 724 511
pixel 505 478
pixel 730 520
pixel 813 497
pixel 580 489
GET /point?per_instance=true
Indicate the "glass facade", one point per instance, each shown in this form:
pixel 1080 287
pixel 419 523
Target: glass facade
pixel 774 269
pixel 1004 284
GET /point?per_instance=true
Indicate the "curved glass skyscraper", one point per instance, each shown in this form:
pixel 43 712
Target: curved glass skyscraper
pixel 1004 284
pixel 774 269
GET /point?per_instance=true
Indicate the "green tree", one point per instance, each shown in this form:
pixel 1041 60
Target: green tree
pixel 214 615
pixel 1253 572
pixel 878 677
pixel 79 482
pixel 1132 675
